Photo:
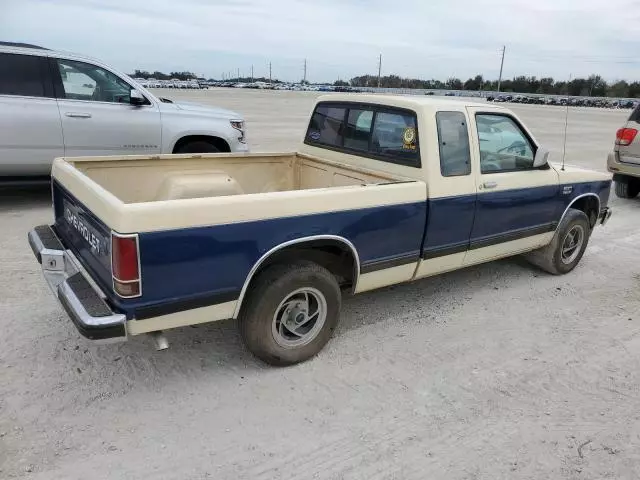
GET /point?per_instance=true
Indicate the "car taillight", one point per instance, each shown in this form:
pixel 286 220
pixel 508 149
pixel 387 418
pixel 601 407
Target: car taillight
pixel 125 265
pixel 625 136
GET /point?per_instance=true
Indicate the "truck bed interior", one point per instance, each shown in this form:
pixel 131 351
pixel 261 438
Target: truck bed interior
pixel 135 180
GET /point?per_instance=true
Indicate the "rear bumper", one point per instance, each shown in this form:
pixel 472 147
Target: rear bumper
pixel 621 169
pixel 91 315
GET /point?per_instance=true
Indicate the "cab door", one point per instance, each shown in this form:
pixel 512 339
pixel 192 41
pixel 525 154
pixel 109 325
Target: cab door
pixel 517 204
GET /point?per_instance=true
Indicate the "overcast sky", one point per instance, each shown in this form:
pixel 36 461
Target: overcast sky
pixel 340 38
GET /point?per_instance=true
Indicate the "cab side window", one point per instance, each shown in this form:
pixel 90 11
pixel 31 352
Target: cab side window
pixel 504 147
pixel 83 81
pixel 453 142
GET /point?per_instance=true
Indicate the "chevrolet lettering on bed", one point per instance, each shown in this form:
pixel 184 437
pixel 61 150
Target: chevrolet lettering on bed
pixel 84 230
pixel 383 190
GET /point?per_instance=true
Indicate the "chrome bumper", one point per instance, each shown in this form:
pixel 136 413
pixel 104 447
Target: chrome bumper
pixel 605 215
pixel 91 315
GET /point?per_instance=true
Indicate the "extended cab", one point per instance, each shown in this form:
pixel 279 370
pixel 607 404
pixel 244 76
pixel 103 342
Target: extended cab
pixel 383 190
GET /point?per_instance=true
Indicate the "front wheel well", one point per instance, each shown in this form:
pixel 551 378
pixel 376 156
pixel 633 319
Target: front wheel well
pixel 590 205
pixel 220 143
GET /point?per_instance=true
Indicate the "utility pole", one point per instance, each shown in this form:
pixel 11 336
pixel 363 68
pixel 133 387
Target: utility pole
pixel 269 73
pixel 251 73
pixel 304 79
pixel 379 69
pixel 501 65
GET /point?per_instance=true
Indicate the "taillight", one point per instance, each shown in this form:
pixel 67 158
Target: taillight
pixel 125 265
pixel 625 136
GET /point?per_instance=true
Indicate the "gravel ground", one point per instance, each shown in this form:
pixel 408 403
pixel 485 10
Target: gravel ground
pixel 496 371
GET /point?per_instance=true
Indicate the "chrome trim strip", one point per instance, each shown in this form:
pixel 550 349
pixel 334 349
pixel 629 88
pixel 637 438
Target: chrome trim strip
pixel 261 260
pixel 574 201
pixel 139 280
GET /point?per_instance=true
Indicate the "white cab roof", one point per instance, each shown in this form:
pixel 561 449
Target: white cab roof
pixel 414 102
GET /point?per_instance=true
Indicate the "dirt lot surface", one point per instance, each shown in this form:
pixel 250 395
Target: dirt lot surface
pixel 494 372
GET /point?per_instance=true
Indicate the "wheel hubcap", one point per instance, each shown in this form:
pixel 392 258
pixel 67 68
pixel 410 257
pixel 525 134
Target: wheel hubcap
pixel 299 318
pixel 572 244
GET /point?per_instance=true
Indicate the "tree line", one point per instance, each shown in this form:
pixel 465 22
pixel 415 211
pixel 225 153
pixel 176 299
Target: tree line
pixel 164 76
pixel 592 86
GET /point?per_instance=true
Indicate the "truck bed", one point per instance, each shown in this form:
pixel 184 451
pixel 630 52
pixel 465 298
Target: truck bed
pixel 148 179
pixel 164 192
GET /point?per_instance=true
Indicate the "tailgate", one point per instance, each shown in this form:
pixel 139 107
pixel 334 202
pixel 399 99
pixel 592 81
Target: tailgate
pixel 85 235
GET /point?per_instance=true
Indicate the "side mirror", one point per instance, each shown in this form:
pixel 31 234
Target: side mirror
pixel 541 158
pixel 136 98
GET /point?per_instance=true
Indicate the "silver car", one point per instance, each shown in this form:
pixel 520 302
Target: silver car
pixel 55 104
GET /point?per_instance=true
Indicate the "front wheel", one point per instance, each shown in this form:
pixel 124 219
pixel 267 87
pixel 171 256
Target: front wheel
pixel 290 313
pixel 567 247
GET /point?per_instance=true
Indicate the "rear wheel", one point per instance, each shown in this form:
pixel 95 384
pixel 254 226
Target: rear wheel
pixel 567 247
pixel 627 188
pixel 198 146
pixel 290 313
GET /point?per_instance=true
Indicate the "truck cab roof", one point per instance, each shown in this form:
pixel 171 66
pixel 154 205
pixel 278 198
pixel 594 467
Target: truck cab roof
pixel 414 102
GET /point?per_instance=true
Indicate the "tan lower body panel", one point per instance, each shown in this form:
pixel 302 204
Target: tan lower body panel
pixel 195 316
pixel 386 277
pixel 507 249
pixel 434 266
pixel 448 263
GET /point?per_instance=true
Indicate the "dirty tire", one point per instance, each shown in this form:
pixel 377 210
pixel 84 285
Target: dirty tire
pixel 275 285
pixel 550 258
pixel 627 188
pixel 199 146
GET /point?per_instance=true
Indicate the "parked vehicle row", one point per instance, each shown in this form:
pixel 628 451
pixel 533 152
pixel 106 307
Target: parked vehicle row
pixel 173 83
pixel 383 190
pixel 572 101
pixel 55 104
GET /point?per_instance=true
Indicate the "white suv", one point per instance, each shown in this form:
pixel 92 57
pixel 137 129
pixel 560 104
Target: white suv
pixel 55 104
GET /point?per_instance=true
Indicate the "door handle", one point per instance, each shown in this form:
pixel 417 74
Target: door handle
pixel 490 184
pixel 78 115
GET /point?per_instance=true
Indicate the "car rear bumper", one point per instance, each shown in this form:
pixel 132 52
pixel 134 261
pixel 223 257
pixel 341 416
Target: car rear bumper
pixel 87 309
pixel 622 169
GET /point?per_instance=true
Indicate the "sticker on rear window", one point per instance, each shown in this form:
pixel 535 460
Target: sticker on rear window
pixel 409 138
pixel 314 135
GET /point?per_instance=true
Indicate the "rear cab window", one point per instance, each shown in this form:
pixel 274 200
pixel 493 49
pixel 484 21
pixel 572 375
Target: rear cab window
pixel 383 133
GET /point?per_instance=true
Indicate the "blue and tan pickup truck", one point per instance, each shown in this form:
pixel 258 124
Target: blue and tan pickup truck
pixel 383 190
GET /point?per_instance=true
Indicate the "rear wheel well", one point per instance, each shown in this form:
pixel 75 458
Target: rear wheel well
pixel 333 255
pixel 590 205
pixel 336 256
pixel 217 142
